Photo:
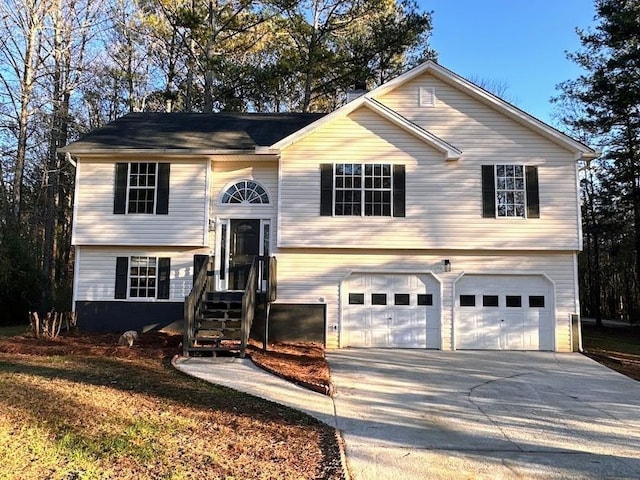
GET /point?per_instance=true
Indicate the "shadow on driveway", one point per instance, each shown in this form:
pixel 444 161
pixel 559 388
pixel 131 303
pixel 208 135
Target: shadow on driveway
pixel 444 415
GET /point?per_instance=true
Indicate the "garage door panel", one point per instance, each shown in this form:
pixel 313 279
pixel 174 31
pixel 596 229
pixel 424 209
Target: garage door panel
pixel 510 312
pixel 407 327
pixel 397 311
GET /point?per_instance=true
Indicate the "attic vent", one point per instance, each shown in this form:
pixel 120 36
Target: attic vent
pixel 427 96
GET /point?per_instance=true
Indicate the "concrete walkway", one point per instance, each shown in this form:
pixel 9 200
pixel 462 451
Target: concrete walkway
pixel 241 374
pixel 415 414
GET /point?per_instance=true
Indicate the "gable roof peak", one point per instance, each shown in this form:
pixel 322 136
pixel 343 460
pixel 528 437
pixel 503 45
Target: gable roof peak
pixel 488 98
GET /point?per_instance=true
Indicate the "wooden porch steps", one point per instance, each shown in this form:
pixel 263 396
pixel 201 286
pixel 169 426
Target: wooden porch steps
pixel 218 327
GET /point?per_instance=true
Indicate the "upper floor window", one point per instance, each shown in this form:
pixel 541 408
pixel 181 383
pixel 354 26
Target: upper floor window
pixel 142 187
pixel 246 191
pixel 362 189
pixel 510 191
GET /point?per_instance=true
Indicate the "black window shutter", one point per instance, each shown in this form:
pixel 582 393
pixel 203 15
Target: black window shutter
pixel 164 269
pixel 122 273
pixel 162 203
pixel 488 192
pixel 120 194
pixel 326 189
pixel 399 191
pixel 533 198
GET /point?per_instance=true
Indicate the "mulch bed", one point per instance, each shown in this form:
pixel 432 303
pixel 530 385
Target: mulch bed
pixel 149 345
pixel 300 362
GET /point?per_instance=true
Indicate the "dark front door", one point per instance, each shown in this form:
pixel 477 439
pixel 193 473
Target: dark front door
pixel 244 245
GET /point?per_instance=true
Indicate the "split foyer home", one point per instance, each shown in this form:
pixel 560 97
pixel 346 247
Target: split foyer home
pixel 426 213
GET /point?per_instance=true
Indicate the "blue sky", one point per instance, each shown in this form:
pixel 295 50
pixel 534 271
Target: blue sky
pixel 519 43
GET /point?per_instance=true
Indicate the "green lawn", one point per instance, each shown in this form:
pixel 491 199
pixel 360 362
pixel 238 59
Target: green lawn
pixel 614 339
pixel 13 330
pixel 100 417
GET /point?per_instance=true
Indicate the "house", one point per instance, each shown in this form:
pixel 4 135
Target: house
pixel 426 213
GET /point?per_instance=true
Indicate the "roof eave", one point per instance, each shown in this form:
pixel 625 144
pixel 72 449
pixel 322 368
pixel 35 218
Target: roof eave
pixel 184 152
pixel 450 152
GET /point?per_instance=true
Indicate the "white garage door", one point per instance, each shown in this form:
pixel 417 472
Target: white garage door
pixel 390 310
pixel 504 312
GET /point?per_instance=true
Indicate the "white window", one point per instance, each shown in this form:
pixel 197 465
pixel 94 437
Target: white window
pixel 246 191
pixel 510 191
pixel 142 277
pixel 363 189
pixel 142 187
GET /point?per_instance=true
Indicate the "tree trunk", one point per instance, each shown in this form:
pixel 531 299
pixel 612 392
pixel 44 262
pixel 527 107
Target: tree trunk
pixel 30 62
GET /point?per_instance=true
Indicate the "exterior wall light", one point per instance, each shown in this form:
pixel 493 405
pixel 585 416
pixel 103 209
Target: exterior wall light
pixel 446 264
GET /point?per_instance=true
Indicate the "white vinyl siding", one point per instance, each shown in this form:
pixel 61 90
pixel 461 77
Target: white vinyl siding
pixel 96 224
pixel 443 199
pixel 96 271
pixel 314 277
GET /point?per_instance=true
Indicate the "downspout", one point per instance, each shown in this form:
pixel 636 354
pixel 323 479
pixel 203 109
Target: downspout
pixel 76 259
pixel 576 317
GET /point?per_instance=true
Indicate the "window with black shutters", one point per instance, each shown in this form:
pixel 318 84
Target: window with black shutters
pixel 141 188
pixel 142 277
pixel 355 189
pixel 510 191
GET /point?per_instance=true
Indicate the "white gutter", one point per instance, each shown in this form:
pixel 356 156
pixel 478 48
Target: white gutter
pixel 156 151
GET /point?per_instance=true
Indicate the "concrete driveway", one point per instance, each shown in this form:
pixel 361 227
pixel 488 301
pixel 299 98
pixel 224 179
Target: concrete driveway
pixel 416 414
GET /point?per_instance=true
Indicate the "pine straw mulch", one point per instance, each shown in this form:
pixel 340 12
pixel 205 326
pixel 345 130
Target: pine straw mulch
pixel 302 363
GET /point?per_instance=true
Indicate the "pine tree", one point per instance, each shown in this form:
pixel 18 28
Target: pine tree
pixel 609 93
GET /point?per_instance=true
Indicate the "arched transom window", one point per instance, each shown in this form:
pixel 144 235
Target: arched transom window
pixel 245 191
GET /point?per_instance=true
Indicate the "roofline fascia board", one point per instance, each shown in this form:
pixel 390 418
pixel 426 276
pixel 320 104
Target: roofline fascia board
pixel 174 152
pixel 513 112
pixel 267 151
pixel 588 156
pixel 450 152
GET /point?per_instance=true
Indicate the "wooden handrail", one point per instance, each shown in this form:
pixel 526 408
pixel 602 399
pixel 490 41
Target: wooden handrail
pixel 249 305
pixel 192 305
pixel 262 268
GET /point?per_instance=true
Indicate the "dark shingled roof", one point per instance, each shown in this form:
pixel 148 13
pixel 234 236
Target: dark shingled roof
pixel 200 131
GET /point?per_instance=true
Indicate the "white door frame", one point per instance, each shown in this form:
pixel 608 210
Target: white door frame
pixel 221 265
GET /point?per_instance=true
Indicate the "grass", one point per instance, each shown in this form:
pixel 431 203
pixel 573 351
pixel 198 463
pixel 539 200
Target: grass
pixel 619 339
pixel 616 347
pixel 95 417
pixel 13 330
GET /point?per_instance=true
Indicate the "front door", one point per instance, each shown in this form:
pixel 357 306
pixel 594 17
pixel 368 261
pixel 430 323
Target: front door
pixel 244 244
